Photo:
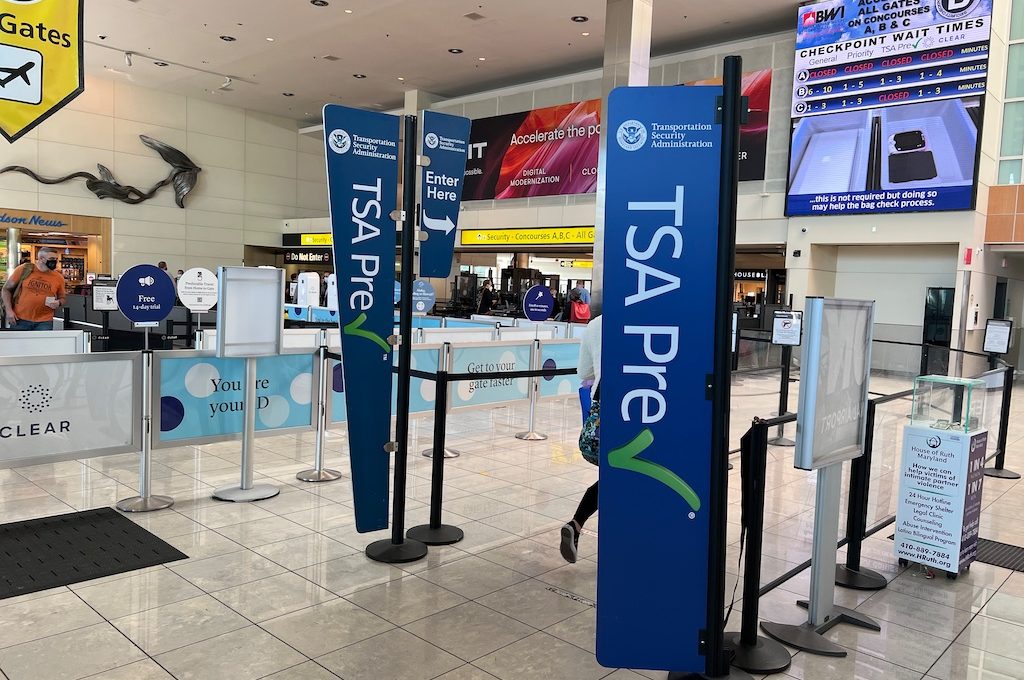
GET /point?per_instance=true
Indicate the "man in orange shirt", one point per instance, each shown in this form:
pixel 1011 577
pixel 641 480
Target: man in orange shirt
pixel 33 292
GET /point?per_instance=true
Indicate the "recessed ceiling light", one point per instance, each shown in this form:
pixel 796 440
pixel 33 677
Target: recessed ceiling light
pixel 160 63
pixel 227 38
pixel 358 75
pixel 319 3
pixel 580 19
pixel 585 34
pixel 288 94
pixel 481 58
pixel 455 50
pixel 401 78
pixel 348 11
pixel 269 39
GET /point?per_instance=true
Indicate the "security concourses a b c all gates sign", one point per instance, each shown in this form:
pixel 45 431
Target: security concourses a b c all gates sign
pixel 661 272
pixel 362 181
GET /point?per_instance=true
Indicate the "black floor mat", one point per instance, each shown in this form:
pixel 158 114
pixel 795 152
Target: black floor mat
pixel 48 552
pixel 1000 554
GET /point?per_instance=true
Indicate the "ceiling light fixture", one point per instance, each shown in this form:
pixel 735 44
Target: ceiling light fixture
pixel 159 63
pixel 401 79
pixel 580 19
pixel 227 38
pixel 585 33
pixel 359 75
pixel 128 58
pixel 455 50
pixel 270 39
pixel 348 11
pixel 319 3
pixel 226 85
pixel 481 58
pixel 288 94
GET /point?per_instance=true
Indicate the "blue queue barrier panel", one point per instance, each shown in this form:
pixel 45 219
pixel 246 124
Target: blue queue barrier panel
pixel 555 355
pixel 490 358
pixel 200 398
pixel 421 397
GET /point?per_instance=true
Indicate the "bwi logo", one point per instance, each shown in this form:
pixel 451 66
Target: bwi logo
pixel 631 135
pixel 824 15
pixel 431 140
pixel 35 398
pixel 955 9
pixel 339 141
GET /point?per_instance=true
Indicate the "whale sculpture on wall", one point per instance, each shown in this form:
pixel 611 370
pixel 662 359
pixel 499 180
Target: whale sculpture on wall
pixel 183 177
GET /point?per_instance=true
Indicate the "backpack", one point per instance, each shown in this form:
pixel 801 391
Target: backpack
pixel 579 311
pixel 590 435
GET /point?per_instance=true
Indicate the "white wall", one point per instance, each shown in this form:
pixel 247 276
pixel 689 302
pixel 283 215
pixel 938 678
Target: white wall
pixel 257 170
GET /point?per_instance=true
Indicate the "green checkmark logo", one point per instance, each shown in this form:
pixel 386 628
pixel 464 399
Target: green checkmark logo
pixel 354 328
pixel 627 458
pixel 917 43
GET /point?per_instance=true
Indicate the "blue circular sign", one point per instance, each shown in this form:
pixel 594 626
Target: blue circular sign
pixel 145 294
pixel 538 303
pixel 423 296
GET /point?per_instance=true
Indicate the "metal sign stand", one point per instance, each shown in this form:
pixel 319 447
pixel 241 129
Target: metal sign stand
pixel 398 549
pixel 787 358
pixel 531 434
pixel 246 490
pixel 145 501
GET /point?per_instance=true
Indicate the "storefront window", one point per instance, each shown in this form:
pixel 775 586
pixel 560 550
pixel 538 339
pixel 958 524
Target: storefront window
pixel 1017 21
pixel 1009 171
pixel 1013 129
pixel 1015 70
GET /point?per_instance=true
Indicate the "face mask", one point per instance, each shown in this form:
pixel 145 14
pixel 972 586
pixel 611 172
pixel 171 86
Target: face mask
pixel 51 264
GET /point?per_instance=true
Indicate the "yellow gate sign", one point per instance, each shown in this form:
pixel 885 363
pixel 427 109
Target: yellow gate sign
pixel 41 64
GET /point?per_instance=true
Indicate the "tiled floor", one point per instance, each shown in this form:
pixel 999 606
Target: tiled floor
pixel 281 589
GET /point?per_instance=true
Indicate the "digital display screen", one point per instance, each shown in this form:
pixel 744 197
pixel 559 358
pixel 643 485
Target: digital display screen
pixel 886 112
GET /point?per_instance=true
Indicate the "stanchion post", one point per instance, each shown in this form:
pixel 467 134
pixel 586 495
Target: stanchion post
pixel 319 473
pixel 436 533
pixel 754 653
pixel 443 364
pixel 398 549
pixel 145 501
pixel 1004 423
pixel 787 358
pixel 851 575
pixel 531 434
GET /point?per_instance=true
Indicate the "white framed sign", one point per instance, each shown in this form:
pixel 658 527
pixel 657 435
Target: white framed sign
pixel 56 408
pixel 998 334
pixel 104 295
pixel 197 289
pixel 787 328
pixel 249 319
pixel 834 382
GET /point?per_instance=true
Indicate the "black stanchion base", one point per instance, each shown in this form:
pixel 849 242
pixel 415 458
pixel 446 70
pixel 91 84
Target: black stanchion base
pixel 734 674
pixel 781 441
pixel 860 579
pixel 1001 473
pixel 445 534
pixel 809 638
pixel 763 658
pixel 396 553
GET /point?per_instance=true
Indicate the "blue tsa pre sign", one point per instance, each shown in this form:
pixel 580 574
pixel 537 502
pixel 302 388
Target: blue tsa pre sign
pixel 145 295
pixel 362 182
pixel 661 244
pixel 445 140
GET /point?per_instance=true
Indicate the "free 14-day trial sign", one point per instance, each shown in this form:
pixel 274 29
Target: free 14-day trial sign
pixel 41 63
pixel 362 183
pixel 661 244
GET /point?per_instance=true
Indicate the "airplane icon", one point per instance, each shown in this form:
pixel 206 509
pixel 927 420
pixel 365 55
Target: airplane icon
pixel 14 73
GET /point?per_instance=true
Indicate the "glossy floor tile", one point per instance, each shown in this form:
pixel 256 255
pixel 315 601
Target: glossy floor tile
pixel 282 589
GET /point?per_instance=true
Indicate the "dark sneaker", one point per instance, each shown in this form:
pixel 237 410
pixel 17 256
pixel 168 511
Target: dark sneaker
pixel 570 542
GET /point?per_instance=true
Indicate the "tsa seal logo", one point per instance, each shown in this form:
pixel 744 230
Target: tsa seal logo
pixel 35 398
pixel 631 135
pixel 339 141
pixel 431 140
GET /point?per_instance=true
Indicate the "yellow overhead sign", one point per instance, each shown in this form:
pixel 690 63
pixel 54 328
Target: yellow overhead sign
pixel 577 264
pixel 316 239
pixel 540 236
pixel 41 65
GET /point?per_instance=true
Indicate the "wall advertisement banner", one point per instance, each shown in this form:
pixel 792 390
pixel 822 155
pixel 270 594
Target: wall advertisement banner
pixel 444 142
pixel 939 507
pixel 835 367
pixel 661 245
pixel 63 407
pixel 362 183
pixel 201 397
pixel 887 105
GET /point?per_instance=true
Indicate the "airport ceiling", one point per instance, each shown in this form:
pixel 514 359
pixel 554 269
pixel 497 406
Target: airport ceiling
pixel 290 57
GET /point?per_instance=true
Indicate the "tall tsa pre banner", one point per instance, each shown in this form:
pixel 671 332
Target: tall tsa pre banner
pixel 41 64
pixel 887 105
pixel 661 244
pixel 362 182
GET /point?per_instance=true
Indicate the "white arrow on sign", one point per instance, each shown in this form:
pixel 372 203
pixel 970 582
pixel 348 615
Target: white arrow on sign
pixel 446 225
